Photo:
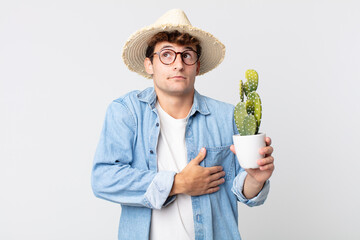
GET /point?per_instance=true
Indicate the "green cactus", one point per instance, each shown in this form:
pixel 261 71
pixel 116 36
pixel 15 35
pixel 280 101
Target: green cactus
pixel 248 114
pixel 250 107
pixel 253 79
pixel 246 88
pixel 239 114
pixel 249 126
pixel 241 91
pixel 255 98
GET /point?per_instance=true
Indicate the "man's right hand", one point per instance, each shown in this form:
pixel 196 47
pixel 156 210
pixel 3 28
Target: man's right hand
pixel 195 180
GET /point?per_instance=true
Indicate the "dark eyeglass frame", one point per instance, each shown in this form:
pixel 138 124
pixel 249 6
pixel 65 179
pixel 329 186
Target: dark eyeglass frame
pixel 176 53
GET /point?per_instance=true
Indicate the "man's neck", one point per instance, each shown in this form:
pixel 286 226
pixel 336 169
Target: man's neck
pixel 176 106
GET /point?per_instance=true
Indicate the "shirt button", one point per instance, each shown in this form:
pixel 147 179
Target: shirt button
pixel 157 124
pixel 151 151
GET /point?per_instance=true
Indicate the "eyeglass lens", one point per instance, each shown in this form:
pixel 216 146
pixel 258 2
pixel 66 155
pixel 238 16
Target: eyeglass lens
pixel 189 57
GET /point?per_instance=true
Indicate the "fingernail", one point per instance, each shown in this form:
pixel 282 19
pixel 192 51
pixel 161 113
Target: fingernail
pixel 202 150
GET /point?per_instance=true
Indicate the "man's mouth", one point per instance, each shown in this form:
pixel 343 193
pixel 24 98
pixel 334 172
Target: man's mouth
pixel 177 77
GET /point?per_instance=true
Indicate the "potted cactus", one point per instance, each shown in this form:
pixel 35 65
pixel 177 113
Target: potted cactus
pixel 247 115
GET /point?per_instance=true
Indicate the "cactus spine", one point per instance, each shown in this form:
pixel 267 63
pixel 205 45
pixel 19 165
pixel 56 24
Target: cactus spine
pixel 248 113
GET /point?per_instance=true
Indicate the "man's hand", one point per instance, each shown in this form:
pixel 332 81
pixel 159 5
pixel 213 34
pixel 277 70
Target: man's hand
pixel 256 177
pixel 195 180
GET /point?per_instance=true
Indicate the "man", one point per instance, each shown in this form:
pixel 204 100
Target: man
pixel 165 153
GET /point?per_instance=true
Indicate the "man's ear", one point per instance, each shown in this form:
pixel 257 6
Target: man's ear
pixel 148 66
pixel 197 68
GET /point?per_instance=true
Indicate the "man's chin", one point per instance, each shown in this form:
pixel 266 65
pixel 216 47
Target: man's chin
pixel 180 92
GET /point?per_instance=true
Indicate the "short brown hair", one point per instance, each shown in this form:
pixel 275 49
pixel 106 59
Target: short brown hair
pixel 172 37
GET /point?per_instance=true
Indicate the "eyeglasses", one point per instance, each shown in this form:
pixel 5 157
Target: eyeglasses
pixel 168 56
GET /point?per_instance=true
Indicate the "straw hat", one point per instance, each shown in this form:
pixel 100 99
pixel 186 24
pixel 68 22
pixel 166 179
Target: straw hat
pixel 212 54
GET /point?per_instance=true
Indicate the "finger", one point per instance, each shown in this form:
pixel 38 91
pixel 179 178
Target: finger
pixel 264 161
pixel 198 159
pixel 212 190
pixel 268 167
pixel 217 182
pixel 215 169
pixel 216 176
pixel 266 150
pixel 232 148
pixel 268 141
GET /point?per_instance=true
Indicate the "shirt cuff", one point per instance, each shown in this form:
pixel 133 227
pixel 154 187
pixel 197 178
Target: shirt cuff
pixel 157 194
pixel 169 200
pixel 238 186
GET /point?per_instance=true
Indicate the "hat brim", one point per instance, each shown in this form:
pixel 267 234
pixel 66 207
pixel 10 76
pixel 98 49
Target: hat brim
pixel 212 54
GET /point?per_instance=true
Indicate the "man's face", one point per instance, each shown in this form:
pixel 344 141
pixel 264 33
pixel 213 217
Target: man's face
pixel 176 79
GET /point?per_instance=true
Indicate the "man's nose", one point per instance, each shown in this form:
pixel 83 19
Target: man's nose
pixel 178 63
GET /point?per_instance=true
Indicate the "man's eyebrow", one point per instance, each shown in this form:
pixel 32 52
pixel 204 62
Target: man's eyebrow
pixel 190 48
pixel 169 46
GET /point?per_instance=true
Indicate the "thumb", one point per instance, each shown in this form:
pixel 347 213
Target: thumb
pixel 232 148
pixel 198 159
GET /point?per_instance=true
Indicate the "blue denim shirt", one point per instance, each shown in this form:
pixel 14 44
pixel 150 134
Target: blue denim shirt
pixel 125 165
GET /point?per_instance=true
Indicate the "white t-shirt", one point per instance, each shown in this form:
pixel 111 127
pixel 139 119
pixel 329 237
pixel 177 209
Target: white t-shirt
pixel 176 220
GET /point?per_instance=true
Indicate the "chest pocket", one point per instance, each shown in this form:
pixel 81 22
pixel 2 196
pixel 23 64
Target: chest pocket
pixel 221 156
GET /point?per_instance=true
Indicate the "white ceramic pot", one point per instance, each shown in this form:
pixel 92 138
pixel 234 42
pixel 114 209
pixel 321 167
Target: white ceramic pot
pixel 247 149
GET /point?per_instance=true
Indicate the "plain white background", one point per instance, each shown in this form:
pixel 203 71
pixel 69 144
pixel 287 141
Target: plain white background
pixel 60 67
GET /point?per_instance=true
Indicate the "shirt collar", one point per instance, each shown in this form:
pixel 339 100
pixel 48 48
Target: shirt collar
pixel 199 104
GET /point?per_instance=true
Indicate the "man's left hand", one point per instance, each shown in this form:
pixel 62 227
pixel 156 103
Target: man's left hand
pixel 266 164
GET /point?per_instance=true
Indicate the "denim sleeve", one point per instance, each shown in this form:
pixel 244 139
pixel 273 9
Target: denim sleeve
pixel 113 178
pixel 237 189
